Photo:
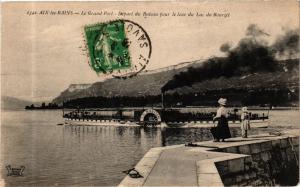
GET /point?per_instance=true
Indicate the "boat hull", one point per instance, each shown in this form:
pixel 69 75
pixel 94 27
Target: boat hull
pixel 99 123
pixel 194 124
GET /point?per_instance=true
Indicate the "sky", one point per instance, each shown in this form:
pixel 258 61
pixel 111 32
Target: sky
pixel 40 54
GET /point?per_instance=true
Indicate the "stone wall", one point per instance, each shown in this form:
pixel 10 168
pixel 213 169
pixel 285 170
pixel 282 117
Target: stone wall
pixel 269 163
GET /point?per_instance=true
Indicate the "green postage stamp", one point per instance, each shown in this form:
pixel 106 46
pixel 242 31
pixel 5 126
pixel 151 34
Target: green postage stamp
pixel 107 46
pixel 120 48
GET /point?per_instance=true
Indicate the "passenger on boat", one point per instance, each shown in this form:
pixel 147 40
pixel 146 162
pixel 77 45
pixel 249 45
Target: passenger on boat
pixel 245 122
pixel 222 130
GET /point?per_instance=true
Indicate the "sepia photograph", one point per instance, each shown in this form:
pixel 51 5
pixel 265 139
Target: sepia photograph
pixel 150 93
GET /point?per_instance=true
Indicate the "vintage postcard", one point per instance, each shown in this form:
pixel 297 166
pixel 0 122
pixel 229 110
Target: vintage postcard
pixel 150 93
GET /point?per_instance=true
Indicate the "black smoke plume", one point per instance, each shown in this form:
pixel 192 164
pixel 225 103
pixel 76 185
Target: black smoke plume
pixel 251 55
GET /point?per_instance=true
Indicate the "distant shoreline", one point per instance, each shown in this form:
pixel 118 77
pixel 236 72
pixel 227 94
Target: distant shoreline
pixel 60 108
pixel 188 107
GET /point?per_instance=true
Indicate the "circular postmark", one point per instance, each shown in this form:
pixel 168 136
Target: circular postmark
pixel 121 48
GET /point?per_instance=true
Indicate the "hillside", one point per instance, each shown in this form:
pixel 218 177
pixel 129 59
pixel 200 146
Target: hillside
pixel 256 81
pixel 12 103
pixel 146 83
pixel 150 84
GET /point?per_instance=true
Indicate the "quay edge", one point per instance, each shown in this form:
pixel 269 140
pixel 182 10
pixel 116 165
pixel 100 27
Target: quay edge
pixel 258 160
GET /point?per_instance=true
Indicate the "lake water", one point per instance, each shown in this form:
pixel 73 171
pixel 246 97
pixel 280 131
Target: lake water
pixel 92 155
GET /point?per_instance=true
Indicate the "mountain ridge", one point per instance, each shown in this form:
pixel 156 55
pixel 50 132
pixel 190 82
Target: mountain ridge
pixel 13 103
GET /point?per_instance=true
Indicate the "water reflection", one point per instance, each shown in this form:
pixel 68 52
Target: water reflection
pixel 171 136
pixel 158 136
